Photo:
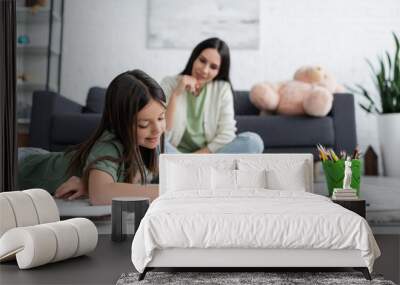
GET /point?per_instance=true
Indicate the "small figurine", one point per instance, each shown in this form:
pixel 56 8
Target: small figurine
pixel 23 40
pixel 347 174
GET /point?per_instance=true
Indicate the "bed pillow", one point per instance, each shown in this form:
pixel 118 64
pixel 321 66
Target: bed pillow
pixel 224 179
pixel 293 179
pixel 251 178
pixel 188 177
pixel 281 174
pixel 227 179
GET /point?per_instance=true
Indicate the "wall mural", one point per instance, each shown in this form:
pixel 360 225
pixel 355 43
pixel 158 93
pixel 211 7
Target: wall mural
pixel 183 23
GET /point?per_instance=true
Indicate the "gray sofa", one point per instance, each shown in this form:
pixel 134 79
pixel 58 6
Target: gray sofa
pixel 58 122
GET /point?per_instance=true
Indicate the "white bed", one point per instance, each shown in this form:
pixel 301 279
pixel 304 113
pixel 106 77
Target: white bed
pixel 247 211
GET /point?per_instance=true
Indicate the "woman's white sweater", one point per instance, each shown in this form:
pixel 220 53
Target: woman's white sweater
pixel 219 122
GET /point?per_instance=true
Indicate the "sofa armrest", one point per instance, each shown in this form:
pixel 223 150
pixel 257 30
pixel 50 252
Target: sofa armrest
pixel 44 105
pixel 344 122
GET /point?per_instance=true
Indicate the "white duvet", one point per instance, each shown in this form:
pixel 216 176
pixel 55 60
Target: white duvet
pixel 250 219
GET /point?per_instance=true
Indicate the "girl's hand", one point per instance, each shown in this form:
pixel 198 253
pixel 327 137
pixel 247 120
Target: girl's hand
pixel 71 189
pixel 188 83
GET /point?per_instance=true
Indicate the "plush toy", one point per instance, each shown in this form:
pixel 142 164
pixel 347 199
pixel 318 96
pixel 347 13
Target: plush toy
pixel 310 92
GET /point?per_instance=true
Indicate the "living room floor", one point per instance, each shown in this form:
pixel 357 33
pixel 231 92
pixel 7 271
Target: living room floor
pixel 110 259
pixel 102 266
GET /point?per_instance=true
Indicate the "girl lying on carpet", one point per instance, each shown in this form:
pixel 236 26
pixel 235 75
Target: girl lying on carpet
pixel 117 159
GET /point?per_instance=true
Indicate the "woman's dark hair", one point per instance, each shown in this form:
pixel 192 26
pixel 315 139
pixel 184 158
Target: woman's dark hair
pixel 223 51
pixel 126 95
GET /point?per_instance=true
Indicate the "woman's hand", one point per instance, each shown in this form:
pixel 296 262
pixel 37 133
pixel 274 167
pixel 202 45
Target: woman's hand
pixel 188 83
pixel 71 189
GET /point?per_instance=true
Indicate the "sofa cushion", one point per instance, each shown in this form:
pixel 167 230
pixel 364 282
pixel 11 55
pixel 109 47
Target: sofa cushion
pixel 95 100
pixel 242 104
pixel 306 149
pixel 288 131
pixel 69 129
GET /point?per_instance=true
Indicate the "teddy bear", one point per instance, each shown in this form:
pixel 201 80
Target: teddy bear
pixel 310 92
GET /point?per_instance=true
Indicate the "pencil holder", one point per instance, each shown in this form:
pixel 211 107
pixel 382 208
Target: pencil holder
pixel 334 174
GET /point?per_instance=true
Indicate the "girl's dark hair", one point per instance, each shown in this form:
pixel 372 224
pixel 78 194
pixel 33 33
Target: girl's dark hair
pixel 126 95
pixel 223 51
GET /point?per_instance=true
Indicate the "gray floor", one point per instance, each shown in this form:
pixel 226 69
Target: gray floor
pixel 388 264
pixel 110 260
pixel 102 266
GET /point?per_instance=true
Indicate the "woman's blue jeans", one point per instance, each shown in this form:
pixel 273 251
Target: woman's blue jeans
pixel 247 142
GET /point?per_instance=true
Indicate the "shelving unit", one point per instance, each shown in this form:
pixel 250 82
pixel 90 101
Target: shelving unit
pixel 25 14
pixel 39 53
pixel 29 86
pixel 36 50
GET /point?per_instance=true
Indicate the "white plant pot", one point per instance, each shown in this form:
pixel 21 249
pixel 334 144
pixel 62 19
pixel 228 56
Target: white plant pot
pixel 389 138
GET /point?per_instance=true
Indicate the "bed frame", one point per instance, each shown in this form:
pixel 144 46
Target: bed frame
pixel 246 259
pixel 249 259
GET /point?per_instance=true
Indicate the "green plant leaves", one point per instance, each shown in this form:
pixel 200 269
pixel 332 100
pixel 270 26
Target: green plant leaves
pixel 387 82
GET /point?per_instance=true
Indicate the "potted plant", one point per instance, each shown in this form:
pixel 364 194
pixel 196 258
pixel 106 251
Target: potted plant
pixel 387 81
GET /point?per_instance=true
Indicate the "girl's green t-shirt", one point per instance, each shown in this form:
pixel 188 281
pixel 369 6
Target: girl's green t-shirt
pixel 49 170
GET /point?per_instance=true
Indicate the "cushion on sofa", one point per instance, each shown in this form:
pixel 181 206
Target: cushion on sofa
pixel 289 131
pixel 95 100
pixel 294 134
pixel 68 129
pixel 242 104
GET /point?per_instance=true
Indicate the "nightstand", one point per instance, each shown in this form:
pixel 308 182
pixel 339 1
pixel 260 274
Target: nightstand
pixel 120 208
pixel 357 206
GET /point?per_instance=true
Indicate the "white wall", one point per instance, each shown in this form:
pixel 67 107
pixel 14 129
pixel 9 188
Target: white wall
pixel 105 37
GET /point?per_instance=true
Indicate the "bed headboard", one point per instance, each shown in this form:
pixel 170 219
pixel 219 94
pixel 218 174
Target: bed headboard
pixel 231 161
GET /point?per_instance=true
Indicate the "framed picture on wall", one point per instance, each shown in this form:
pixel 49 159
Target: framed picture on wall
pixel 178 24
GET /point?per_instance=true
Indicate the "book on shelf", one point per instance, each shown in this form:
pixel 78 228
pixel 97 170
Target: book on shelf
pixel 344 198
pixel 340 190
pixel 344 194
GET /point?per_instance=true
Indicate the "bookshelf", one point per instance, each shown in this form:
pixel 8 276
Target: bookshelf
pixel 38 53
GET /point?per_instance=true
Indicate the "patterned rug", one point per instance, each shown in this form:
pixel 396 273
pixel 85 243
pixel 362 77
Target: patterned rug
pixel 270 278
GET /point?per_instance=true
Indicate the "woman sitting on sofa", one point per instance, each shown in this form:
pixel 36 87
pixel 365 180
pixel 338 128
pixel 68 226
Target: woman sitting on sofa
pixel 200 112
pixel 118 156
